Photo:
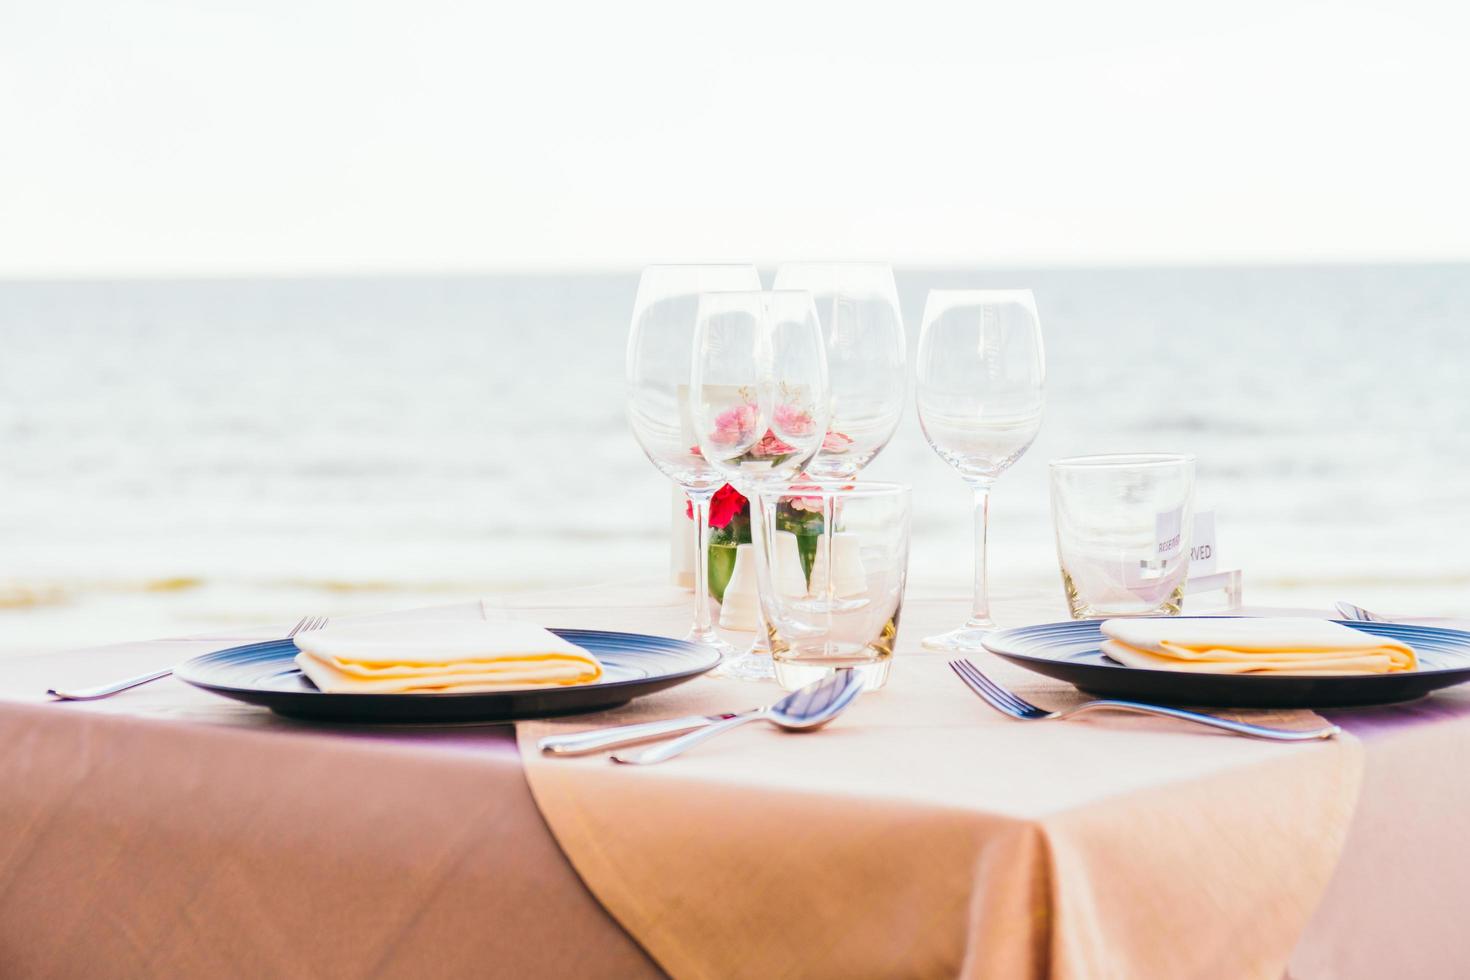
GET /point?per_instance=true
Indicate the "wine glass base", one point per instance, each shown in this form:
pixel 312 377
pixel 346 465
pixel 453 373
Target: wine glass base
pixel 967 639
pixel 746 667
pixel 711 639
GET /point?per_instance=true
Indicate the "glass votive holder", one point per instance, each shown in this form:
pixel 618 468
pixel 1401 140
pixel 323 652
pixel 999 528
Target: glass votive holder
pixel 832 571
pixel 1123 524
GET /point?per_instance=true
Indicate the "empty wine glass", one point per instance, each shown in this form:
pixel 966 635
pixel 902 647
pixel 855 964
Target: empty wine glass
pixel 857 305
pixel 660 346
pixel 758 399
pixel 981 378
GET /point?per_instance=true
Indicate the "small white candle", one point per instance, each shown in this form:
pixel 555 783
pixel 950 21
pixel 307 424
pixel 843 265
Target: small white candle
pixel 790 576
pixel 851 578
pixel 738 608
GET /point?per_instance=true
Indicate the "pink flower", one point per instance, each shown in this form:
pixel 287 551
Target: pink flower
pixel 792 421
pixel 734 425
pixel 835 443
pixel 771 445
pixel 808 504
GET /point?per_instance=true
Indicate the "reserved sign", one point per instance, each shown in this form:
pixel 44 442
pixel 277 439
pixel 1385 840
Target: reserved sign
pixel 1202 545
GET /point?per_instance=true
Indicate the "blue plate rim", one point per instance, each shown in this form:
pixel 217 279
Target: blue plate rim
pixel 1071 625
pixel 667 643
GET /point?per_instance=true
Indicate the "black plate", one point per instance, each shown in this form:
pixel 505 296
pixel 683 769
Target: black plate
pixel 1069 652
pixel 633 665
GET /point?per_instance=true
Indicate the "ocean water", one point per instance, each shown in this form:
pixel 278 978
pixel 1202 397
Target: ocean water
pixel 177 456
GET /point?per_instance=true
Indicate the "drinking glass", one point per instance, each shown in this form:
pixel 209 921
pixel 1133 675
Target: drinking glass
pixel 660 346
pixel 857 305
pixel 837 607
pixel 981 382
pixel 1123 526
pixel 758 400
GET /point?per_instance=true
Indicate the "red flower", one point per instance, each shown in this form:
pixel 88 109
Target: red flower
pixel 724 506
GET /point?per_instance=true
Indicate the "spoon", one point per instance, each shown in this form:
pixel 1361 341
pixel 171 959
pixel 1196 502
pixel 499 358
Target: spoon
pixel 809 708
pixel 583 743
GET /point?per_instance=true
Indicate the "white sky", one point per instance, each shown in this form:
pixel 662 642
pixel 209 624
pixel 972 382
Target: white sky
pixel 299 136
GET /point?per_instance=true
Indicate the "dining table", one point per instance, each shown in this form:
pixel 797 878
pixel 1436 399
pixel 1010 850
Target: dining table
pixel 167 831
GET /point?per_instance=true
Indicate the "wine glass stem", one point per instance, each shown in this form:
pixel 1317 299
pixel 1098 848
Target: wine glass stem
pixel 758 532
pixel 699 499
pixel 829 526
pixel 981 611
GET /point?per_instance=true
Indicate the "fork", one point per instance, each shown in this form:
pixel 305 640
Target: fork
pixel 1009 704
pixel 305 625
pixel 1349 611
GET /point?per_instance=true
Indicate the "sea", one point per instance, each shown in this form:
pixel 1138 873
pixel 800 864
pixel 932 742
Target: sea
pixel 180 456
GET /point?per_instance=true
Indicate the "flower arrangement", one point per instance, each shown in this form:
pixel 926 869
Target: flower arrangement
pixel 729 516
pixel 729 510
pixel 735 426
pixel 729 521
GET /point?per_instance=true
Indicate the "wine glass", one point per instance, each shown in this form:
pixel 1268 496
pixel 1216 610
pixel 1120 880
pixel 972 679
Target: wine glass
pixel 759 402
pixel 981 380
pixel 660 345
pixel 857 305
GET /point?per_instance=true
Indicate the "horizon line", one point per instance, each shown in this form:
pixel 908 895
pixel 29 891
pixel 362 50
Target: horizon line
pixel 594 271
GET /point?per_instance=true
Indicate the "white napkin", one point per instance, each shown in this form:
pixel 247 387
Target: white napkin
pixel 449 656
pixel 1243 646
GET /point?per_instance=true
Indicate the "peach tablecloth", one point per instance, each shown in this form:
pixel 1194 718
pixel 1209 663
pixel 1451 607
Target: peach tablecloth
pixel 924 834
pixel 167 832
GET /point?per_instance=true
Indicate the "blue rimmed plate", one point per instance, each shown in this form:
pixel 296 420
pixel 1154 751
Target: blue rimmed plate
pixel 633 665
pixel 1070 652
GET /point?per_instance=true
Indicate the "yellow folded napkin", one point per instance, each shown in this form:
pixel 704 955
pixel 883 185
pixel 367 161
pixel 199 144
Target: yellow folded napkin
pixel 1247 646
pixel 428 657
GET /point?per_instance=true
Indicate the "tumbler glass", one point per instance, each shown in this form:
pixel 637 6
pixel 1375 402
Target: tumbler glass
pixel 833 607
pixel 1123 524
